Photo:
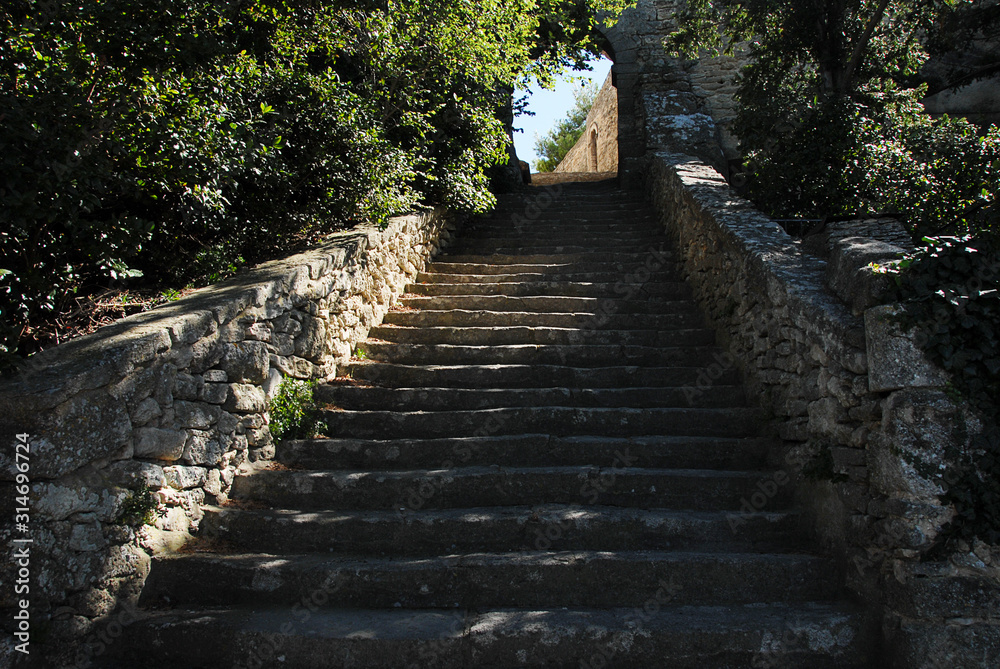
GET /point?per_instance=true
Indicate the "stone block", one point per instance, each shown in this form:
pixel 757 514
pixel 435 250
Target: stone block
pixel 245 398
pixel 185 478
pixel 131 474
pixel 849 275
pixel 215 376
pixel 146 411
pixel 246 362
pixel 196 415
pixel 158 444
pixel 203 449
pixel 187 387
pixel 894 360
pixel 918 427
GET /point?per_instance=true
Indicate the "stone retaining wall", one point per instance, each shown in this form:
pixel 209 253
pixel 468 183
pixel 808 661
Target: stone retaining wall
pixel 855 404
pixel 176 398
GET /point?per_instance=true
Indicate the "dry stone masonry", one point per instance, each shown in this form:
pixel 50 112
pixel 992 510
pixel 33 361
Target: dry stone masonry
pixel 855 400
pixel 176 399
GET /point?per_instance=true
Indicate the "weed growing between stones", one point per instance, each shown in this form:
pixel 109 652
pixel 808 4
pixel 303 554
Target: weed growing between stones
pixel 140 507
pixel 292 412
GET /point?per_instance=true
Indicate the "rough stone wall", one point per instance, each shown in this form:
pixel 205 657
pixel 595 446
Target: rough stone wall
pixel 659 95
pixel 854 402
pixel 602 123
pixel 177 398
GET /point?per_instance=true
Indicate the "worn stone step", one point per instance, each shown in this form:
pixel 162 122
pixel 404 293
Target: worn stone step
pixel 807 635
pixel 558 421
pixel 409 531
pixel 570 246
pixel 578 355
pixel 471 336
pixel 534 376
pixel 640 235
pixel 614 484
pixel 570 213
pixel 491 580
pixel 668 290
pixel 604 319
pixel 524 450
pixel 373 398
pixel 596 260
pixel 626 268
pixel 606 225
pixel 597 278
pixel 547 304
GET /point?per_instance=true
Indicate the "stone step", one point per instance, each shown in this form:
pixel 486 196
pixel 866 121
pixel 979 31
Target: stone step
pixel 636 235
pixel 557 421
pixel 614 484
pixel 554 305
pixel 371 372
pixel 491 580
pixel 653 633
pixel 649 290
pixel 371 398
pixel 571 246
pixel 422 532
pixel 586 210
pixel 471 336
pixel 582 321
pixel 629 271
pixel 579 355
pixel 522 221
pixel 514 228
pixel 524 450
pixel 596 278
pixel 653 259
pixel 539 205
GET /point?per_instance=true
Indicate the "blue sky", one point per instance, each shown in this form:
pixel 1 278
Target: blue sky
pixel 551 106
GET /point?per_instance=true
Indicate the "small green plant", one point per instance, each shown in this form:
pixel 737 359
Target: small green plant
pixel 140 507
pixel 292 411
pixel 360 354
pixel 170 295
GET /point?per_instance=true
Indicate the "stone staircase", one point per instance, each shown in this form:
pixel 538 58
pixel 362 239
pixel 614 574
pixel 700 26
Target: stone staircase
pixel 539 459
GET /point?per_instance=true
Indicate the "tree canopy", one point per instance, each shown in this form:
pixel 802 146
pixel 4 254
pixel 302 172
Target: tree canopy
pixel 830 119
pixel 173 139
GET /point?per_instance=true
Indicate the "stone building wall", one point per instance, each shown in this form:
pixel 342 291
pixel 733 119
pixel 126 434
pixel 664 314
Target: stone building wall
pixel 855 404
pixel 176 398
pixel 597 148
pixel 661 98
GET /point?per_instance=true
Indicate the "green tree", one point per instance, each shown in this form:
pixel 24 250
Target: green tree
pixel 557 142
pixel 830 120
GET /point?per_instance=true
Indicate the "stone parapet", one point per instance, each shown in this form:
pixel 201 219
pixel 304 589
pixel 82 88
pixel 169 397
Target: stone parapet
pixel 176 399
pixel 861 413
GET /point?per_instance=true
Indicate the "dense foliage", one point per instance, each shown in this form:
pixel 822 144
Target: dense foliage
pixel 292 412
pixel 830 120
pixel 170 139
pixel 951 290
pixel 553 146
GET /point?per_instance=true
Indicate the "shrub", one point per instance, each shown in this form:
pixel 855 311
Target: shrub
pixel 292 412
